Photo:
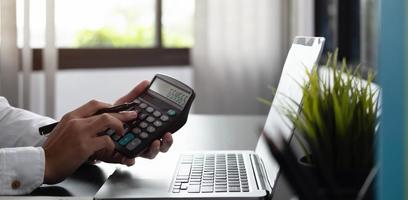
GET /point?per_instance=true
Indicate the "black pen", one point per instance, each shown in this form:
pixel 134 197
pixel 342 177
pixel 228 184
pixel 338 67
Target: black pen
pixel 44 130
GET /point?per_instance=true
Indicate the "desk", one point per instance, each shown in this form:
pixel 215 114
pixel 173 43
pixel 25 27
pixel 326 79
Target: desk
pixel 201 132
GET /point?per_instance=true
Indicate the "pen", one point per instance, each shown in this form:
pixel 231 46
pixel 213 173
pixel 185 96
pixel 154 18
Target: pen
pixel 44 130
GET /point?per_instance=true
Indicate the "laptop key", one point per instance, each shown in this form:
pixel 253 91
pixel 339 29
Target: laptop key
pixel 194 189
pixel 207 189
pixel 220 189
pixel 176 190
pixel 184 186
pixel 184 170
pixel 234 189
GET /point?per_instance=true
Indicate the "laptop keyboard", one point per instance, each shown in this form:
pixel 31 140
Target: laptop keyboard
pixel 208 173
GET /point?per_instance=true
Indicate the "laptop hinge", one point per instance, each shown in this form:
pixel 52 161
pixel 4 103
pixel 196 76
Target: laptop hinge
pixel 261 177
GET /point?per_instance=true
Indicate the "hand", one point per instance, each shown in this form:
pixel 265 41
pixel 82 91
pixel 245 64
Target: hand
pixel 157 145
pixel 76 138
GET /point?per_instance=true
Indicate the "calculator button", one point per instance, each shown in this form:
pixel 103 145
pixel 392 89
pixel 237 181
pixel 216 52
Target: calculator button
pixel 143 135
pixel 110 132
pixel 157 113
pixel 135 122
pixel 136 130
pixel 150 119
pixel 143 116
pixel 164 118
pixel 115 137
pixel 171 113
pixel 126 139
pixel 158 123
pixel 151 129
pixel 137 101
pixel 133 144
pixel 143 105
pixel 149 109
pixel 143 124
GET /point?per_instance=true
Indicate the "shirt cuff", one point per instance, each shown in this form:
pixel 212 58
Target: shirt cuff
pixel 21 170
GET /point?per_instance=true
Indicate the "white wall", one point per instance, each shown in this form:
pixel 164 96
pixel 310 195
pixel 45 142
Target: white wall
pixel 76 87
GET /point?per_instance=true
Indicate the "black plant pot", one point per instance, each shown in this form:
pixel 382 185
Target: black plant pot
pixel 348 182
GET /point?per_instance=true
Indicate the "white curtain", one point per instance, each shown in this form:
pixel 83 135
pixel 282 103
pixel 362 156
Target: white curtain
pixel 239 50
pixel 10 63
pixel 50 57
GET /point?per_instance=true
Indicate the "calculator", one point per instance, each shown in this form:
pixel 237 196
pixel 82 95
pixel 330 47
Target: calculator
pixel 162 107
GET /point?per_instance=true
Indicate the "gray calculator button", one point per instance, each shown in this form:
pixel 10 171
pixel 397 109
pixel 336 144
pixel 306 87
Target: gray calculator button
pixel 133 144
pixel 115 137
pixel 151 129
pixel 143 105
pixel 142 116
pixel 158 123
pixel 137 101
pixel 110 132
pixel 136 130
pixel 164 118
pixel 157 113
pixel 143 135
pixel 149 109
pixel 150 119
pixel 143 124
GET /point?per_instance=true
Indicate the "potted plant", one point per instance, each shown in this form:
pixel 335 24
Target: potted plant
pixel 337 126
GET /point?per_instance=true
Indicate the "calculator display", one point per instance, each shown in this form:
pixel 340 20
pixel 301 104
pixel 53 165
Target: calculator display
pixel 171 92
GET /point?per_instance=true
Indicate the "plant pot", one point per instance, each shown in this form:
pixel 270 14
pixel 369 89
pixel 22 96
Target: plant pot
pixel 348 182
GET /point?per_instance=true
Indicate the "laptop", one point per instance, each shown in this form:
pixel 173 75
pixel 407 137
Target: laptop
pixel 226 174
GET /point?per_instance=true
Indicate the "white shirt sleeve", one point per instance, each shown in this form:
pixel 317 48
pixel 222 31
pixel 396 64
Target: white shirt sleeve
pixel 22 160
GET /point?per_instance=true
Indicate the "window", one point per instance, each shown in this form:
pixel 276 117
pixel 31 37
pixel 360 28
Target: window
pixel 114 33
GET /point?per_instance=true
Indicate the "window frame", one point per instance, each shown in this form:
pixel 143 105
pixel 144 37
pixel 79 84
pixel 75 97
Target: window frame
pixel 85 58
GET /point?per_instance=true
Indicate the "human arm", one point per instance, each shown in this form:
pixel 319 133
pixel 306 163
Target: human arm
pixel 21 157
pixel 71 143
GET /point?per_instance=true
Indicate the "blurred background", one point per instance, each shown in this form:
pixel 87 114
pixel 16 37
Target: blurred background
pixel 58 54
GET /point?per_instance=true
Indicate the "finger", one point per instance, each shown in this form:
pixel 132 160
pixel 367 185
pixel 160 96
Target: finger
pixel 115 158
pixel 89 108
pixel 135 92
pixel 119 158
pixel 100 123
pixel 153 150
pixel 167 141
pixel 125 116
pixel 101 143
pixel 106 154
pixel 128 161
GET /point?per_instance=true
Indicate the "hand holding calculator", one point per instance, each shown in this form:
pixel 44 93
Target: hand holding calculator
pixel 162 107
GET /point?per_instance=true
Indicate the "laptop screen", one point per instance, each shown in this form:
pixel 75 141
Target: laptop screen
pixel 302 56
